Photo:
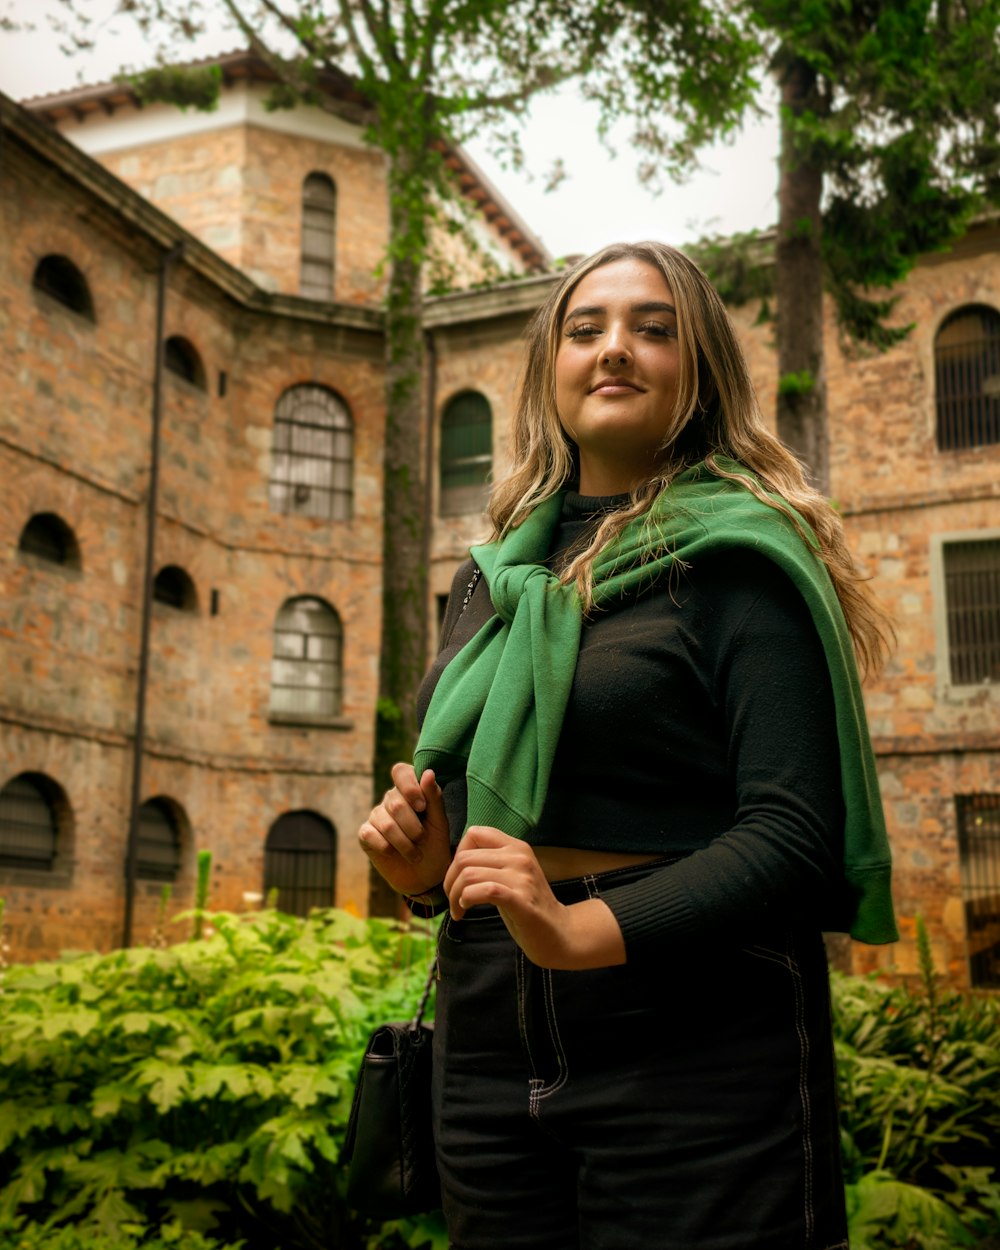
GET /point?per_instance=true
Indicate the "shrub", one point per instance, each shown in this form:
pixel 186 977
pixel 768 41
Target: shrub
pixel 152 1095
pixel 919 1087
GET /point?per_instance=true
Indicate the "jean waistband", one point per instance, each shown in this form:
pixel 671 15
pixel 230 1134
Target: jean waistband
pixel 594 884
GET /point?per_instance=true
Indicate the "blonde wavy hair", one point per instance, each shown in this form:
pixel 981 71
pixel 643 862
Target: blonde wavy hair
pixel 716 415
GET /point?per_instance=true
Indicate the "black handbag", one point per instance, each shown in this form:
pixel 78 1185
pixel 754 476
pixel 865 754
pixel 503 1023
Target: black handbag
pixel 389 1147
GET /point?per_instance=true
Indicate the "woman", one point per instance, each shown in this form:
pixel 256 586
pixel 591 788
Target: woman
pixel 656 788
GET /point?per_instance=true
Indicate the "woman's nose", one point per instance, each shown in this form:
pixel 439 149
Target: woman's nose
pixel 615 355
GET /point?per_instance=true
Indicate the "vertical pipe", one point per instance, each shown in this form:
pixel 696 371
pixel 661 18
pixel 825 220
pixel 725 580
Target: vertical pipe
pixel 132 856
pixel 430 355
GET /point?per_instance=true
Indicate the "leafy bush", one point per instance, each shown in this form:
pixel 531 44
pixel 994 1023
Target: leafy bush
pixel 919 1087
pixel 151 1095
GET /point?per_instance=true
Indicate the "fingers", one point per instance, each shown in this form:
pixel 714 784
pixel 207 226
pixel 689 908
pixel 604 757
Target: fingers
pixel 492 867
pixel 394 826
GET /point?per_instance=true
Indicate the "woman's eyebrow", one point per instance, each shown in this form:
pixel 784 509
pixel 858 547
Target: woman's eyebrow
pixel 596 310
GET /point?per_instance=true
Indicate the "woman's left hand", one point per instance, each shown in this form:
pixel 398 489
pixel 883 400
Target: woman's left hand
pixel 492 868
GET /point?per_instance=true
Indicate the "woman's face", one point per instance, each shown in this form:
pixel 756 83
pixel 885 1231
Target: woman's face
pixel 617 368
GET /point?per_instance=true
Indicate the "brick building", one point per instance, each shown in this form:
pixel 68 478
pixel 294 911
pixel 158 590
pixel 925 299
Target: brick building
pixel 264 637
pixel 232 762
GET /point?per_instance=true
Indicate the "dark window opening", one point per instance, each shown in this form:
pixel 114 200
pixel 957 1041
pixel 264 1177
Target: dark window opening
pixel 466 453
pixel 158 845
pixel 182 359
pixel 972 596
pixel 967 378
pixel 300 862
pixel 59 278
pixel 319 222
pixel 312 457
pixel 979 851
pixel 48 537
pixel 29 826
pixel 306 671
pixel 174 588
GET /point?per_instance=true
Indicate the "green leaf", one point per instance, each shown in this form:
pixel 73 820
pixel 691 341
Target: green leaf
pixel 167 1084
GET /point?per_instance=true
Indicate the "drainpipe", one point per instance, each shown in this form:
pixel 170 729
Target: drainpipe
pixel 132 857
pixel 430 352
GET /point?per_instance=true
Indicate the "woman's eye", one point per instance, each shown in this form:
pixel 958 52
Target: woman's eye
pixel 582 331
pixel 657 329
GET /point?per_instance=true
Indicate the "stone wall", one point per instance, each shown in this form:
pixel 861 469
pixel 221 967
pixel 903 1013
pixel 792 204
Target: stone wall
pixel 75 441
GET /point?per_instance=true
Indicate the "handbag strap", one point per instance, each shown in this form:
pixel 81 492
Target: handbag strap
pixel 422 1006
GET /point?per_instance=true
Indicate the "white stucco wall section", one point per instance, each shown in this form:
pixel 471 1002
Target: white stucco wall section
pixel 239 104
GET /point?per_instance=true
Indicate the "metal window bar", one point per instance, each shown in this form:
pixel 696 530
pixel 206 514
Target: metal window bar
pixel 319 220
pixel 312 455
pixel 159 844
pixel 28 827
pixel 303 879
pixel 306 670
pixel 300 862
pixel 979 851
pixel 972 594
pixel 967 369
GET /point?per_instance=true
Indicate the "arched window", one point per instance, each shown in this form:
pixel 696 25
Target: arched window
pixel 29 823
pixel 466 453
pixel 159 841
pixel 967 373
pixel 181 357
pixel 319 225
pixel 48 537
pixel 58 277
pixel 173 587
pixel 312 455
pixel 300 862
pixel 307 669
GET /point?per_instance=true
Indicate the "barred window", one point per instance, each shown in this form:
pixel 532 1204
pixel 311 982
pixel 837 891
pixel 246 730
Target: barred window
pixel 967 371
pixel 307 668
pixel 466 453
pixel 60 279
pixel 979 851
pixel 300 862
pixel 312 454
pixel 48 537
pixel 319 225
pixel 972 595
pixel 182 359
pixel 158 845
pixel 29 824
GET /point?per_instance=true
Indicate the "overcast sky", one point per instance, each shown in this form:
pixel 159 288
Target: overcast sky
pixel 601 201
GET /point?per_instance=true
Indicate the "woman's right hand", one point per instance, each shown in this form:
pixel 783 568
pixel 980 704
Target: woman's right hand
pixel 406 836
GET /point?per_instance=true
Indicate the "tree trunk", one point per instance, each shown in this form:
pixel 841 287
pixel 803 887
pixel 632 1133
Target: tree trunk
pixel 799 286
pixel 404 594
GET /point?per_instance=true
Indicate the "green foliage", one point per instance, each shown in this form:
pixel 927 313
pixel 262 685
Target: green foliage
pixel 740 266
pixel 800 383
pixel 919 1090
pixel 16 1235
pixel 205 1085
pixel 186 87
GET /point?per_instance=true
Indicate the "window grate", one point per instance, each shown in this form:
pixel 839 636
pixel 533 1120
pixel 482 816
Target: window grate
pixel 972 594
pixel 466 453
pixel 28 827
pixel 979 850
pixel 967 378
pixel 300 862
pixel 306 671
pixel 319 222
pixel 158 846
pixel 312 457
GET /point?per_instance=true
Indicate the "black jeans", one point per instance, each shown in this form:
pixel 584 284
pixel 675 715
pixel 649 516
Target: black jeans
pixel 686 1103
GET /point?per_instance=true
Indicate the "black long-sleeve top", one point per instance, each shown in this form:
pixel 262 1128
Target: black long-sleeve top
pixel 700 727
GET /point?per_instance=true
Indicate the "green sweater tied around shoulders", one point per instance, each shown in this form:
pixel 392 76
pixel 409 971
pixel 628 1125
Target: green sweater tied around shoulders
pixel 498 708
